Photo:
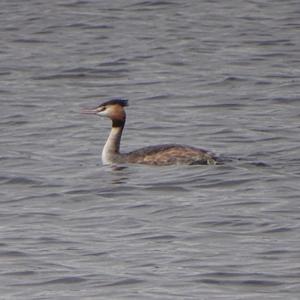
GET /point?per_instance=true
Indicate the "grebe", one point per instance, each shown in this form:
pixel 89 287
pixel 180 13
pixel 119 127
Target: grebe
pixel 154 155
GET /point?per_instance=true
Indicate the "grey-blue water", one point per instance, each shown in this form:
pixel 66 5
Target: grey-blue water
pixel 221 75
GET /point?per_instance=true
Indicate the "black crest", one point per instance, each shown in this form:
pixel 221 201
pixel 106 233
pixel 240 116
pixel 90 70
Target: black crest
pixel 122 102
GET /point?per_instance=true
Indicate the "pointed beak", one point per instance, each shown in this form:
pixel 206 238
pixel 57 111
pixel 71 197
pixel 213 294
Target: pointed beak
pixel 89 111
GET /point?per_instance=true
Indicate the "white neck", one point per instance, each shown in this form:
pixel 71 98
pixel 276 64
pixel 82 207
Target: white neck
pixel 111 148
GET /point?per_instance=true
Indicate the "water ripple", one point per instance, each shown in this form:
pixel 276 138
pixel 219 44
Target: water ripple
pixel 219 75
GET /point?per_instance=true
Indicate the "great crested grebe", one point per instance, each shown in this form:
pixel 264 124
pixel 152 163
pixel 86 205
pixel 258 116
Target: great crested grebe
pixel 168 154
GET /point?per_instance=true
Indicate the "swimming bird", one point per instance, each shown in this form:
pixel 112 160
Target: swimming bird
pixel 168 154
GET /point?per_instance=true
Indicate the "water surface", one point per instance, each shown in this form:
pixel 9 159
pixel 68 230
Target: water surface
pixel 222 76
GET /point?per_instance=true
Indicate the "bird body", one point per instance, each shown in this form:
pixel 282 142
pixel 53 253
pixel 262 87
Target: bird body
pixel 167 154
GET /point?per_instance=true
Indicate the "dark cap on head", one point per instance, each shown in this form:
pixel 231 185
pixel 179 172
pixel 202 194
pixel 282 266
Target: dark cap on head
pixel 121 102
